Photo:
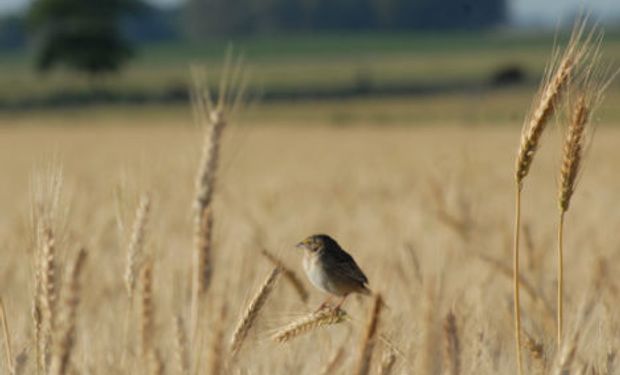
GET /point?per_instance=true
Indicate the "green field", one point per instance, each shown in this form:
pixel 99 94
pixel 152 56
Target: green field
pixel 308 63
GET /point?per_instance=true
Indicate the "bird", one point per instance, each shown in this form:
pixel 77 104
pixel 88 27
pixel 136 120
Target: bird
pixel 331 269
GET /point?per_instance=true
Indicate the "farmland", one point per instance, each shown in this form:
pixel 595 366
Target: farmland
pixel 419 189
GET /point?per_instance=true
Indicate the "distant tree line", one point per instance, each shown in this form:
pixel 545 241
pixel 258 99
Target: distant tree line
pixel 150 24
pixel 97 36
pixel 238 17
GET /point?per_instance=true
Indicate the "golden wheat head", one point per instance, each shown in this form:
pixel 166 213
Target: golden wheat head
pixel 552 91
pixel 323 317
pixel 252 311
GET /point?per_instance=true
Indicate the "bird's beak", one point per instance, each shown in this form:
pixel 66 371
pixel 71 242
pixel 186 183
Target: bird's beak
pixel 301 245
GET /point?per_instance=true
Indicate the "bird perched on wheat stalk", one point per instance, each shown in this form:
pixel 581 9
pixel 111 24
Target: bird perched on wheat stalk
pixel 331 269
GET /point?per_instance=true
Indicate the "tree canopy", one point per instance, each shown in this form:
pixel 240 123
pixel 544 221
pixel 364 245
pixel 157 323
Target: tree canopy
pixel 84 35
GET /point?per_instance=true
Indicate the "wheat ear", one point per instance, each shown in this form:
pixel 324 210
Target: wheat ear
pixel 49 288
pixel 65 340
pixel 251 313
pixel 37 324
pixel 136 244
pixel 146 309
pixel 323 317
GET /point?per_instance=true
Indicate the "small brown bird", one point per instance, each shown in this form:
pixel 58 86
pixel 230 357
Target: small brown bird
pixel 332 269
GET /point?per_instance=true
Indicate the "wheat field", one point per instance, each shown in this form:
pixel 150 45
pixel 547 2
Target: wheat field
pixel 426 211
pixel 143 245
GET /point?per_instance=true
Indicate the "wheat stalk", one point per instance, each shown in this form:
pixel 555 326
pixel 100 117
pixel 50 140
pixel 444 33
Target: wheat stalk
pixel 181 350
pixel 7 339
pixel 566 357
pixel 65 340
pixel 590 90
pixel 46 221
pixel 136 245
pixel 214 117
pixel 289 274
pixel 452 347
pixel 48 289
pixel 369 338
pixel 334 361
pixel 573 149
pixel 37 339
pixel 547 103
pixel 217 343
pixel 323 317
pixel 251 313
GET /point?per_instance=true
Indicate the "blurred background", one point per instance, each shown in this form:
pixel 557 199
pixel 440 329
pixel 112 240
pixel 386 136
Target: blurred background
pixel 64 54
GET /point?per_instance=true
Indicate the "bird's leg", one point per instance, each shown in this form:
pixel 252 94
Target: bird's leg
pixel 325 303
pixel 341 302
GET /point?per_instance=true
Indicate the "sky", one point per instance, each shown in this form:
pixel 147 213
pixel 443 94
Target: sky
pixel 522 11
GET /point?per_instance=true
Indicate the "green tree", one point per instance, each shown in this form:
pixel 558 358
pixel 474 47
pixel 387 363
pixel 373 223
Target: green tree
pixel 84 35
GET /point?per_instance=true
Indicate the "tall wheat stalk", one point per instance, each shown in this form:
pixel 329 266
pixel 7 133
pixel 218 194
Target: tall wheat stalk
pixel 546 103
pixel 47 221
pixel 589 93
pixel 214 118
pixel 452 347
pixel 368 343
pixel 573 149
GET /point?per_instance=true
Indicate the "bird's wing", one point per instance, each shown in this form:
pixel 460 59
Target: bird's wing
pixel 345 264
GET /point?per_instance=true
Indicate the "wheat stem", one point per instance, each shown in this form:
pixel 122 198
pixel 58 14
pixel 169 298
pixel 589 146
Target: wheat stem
pixel 515 279
pixel 7 338
pixel 452 346
pixel 560 270
pixel 368 344
pixel 181 351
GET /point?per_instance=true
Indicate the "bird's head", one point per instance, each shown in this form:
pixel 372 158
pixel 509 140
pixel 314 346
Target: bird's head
pixel 315 242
